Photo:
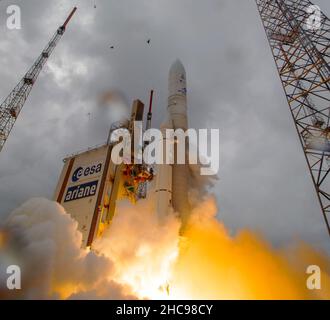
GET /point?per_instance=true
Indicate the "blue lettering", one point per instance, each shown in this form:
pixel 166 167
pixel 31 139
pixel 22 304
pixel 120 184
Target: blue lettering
pixel 86 171
pixel 81 191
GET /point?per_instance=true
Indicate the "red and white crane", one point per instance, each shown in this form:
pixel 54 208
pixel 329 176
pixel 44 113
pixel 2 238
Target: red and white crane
pixel 13 104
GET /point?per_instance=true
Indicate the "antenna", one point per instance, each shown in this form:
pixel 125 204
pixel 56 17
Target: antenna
pixel 149 118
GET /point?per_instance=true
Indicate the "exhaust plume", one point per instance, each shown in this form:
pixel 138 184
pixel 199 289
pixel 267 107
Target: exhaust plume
pixel 139 258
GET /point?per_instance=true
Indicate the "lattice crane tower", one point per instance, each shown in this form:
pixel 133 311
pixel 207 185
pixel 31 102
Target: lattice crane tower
pixel 13 104
pixel 299 36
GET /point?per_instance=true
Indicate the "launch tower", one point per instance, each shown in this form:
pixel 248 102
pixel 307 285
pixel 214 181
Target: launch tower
pixel 299 37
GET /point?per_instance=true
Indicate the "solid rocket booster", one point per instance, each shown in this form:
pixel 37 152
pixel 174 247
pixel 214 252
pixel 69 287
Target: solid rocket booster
pixel 177 110
pixel 163 184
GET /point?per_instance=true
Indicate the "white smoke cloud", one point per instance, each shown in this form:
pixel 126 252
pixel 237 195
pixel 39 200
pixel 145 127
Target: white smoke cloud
pixel 43 240
pixel 139 257
pixel 132 260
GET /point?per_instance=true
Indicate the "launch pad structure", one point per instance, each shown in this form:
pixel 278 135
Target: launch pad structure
pixel 91 183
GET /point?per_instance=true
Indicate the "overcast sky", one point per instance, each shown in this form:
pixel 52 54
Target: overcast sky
pixel 232 85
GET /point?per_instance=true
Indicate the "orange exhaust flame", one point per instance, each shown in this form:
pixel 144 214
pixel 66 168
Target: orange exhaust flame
pixel 139 258
pixel 206 263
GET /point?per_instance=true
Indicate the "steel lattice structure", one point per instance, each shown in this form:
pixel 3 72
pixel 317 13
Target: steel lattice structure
pixel 13 104
pixel 301 49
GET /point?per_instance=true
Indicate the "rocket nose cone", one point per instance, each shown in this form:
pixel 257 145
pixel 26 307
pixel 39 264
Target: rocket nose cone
pixel 177 67
pixel 177 79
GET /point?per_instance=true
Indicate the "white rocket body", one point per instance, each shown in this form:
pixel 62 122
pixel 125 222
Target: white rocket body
pixel 163 184
pixel 177 111
pixel 171 183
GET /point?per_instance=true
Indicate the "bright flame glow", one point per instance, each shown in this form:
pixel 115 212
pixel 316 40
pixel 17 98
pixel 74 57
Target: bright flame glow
pixel 140 258
pixel 206 263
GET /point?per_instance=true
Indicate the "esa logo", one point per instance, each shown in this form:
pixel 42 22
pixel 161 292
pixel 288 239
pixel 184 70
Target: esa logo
pixel 84 172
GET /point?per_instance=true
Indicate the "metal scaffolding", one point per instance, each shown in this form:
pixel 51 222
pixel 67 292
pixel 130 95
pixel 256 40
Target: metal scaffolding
pixel 13 104
pixel 299 37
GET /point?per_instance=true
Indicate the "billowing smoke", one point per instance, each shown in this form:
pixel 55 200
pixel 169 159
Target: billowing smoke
pixel 44 242
pixel 140 258
pixel 144 251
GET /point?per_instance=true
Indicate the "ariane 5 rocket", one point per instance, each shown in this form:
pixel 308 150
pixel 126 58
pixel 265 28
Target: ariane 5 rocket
pixel 172 180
